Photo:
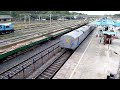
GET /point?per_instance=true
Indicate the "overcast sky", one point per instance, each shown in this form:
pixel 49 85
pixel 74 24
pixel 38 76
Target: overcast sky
pixel 98 12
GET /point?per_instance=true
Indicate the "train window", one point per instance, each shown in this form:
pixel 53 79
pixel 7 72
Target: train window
pixel 7 26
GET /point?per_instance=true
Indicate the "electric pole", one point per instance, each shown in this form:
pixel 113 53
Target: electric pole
pixel 29 18
pixel 39 17
pixel 24 18
pixel 50 20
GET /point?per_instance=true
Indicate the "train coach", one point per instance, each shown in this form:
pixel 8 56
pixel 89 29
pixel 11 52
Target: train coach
pixel 73 39
pixel 6 28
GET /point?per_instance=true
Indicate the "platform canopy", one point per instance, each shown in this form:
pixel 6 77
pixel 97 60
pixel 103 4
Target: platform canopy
pixel 106 22
pixel 109 33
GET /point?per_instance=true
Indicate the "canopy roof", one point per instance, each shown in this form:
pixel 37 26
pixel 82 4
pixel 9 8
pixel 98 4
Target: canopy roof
pixel 106 22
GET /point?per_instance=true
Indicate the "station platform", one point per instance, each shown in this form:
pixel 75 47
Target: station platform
pixel 92 60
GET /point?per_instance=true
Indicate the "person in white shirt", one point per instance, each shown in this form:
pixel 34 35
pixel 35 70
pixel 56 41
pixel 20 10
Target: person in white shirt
pixel 100 35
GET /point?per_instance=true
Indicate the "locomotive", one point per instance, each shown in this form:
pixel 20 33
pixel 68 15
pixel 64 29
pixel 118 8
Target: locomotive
pixel 6 28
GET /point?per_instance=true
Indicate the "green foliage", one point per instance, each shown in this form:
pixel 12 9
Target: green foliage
pixel 4 12
pixel 43 14
pixel 116 14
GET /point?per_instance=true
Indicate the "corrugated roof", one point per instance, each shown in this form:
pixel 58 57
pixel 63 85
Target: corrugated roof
pixel 105 22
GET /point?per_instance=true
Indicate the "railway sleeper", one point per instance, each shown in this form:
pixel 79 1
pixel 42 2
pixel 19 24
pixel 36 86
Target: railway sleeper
pixel 45 76
pixel 41 78
pixel 18 69
pixel 57 65
pixel 7 74
pixel 13 73
pixel 47 73
pixel 1 77
pixel 60 62
pixel 54 67
pixel 51 69
pixel 4 76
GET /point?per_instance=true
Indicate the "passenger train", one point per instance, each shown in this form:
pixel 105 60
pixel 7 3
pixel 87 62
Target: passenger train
pixel 73 39
pixel 6 28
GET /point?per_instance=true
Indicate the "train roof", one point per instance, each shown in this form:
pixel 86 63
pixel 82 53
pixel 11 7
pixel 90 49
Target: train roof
pixel 75 33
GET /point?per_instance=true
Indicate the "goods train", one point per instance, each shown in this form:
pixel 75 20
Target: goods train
pixel 6 28
pixel 73 39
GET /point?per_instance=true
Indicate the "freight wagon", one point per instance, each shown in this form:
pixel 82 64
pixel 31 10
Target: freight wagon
pixel 73 39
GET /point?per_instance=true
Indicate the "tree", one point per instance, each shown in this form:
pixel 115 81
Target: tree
pixel 45 14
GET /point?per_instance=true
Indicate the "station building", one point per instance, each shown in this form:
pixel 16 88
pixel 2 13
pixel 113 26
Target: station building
pixel 5 18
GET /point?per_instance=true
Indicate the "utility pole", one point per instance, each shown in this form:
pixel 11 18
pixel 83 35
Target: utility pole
pixel 20 17
pixel 29 18
pixel 10 12
pixel 39 17
pixel 24 18
pixel 50 20
pixel 10 15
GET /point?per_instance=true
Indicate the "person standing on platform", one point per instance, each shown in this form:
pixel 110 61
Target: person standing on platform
pixel 100 35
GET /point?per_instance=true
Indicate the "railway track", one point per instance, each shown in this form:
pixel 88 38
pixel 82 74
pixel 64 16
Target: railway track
pixel 8 44
pixel 23 31
pixel 45 25
pixel 21 68
pixel 32 28
pixel 36 33
pixel 28 36
pixel 23 25
pixel 51 70
pixel 32 62
pixel 39 25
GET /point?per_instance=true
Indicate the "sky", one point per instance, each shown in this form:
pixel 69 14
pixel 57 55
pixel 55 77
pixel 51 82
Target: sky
pixel 98 12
